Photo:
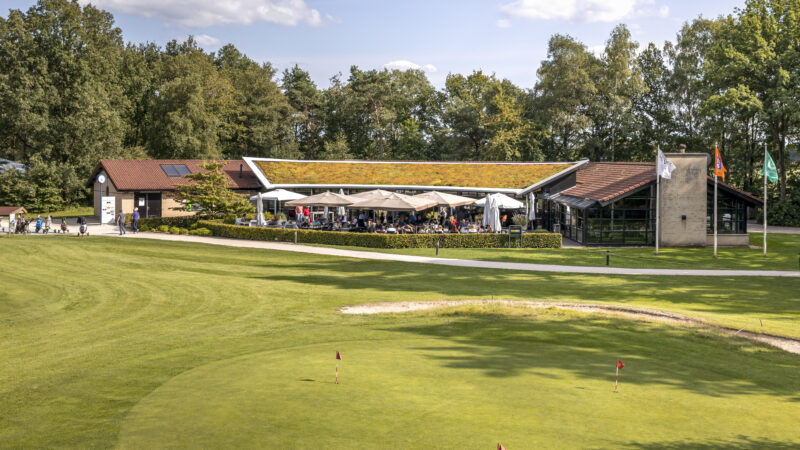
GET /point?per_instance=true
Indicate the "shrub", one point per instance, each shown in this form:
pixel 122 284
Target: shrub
pixel 183 231
pixel 163 228
pixel 193 226
pixel 373 240
pixel 201 232
pixel 520 219
pixel 144 228
pixel 174 230
pixel 183 221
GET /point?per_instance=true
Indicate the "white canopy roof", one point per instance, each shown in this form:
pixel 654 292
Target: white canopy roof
pixel 280 195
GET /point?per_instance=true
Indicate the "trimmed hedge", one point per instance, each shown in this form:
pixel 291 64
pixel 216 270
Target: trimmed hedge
pixel 374 240
pixel 180 222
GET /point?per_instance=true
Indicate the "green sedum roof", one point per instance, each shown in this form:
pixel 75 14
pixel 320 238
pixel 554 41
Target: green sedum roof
pixel 457 174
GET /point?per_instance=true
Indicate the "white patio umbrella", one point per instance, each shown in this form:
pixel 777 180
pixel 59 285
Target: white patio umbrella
pixel 278 195
pixel 445 199
pixel 373 194
pixel 326 198
pixel 395 202
pixel 503 202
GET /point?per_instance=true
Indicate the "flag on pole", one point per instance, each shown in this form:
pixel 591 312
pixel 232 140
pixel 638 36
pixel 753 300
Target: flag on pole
pixel 338 356
pixel 769 170
pixel 719 168
pixel 665 166
pixel 500 446
pixel 619 366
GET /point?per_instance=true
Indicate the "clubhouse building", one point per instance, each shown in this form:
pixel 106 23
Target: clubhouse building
pixel 592 203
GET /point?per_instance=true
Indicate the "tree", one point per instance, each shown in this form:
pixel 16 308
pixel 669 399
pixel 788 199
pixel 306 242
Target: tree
pixel 210 192
pixel 652 108
pixel 759 51
pixel 307 117
pixel 564 91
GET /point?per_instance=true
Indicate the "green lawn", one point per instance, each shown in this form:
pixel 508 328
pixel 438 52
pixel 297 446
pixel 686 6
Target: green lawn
pixel 784 251
pixel 148 344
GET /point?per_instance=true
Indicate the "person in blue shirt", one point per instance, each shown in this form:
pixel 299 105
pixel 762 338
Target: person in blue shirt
pixel 135 220
pixel 121 223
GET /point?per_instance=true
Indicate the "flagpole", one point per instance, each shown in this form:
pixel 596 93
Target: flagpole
pixel 715 200
pixel 658 201
pixel 765 198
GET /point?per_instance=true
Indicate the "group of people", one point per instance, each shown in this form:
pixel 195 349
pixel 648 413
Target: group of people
pixel 134 221
pixel 409 225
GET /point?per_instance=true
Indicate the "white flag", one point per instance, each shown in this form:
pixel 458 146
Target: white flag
pixel 665 166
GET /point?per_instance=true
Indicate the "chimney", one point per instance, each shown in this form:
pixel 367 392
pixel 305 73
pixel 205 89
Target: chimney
pixel 241 166
pixel 682 148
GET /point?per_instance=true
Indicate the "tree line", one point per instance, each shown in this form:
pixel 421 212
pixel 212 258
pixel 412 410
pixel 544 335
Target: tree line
pixel 72 91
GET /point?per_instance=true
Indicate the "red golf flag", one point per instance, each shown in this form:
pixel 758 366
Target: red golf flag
pixel 338 356
pixel 620 365
pixel 500 446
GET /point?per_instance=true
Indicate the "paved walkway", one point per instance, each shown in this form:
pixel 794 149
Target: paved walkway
pixel 753 227
pixel 283 246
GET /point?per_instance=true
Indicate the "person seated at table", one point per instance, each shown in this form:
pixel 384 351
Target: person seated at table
pixel 407 229
pixel 379 228
pixel 391 229
pixel 401 223
pixel 370 226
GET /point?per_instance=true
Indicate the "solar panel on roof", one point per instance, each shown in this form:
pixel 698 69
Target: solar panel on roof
pixel 175 170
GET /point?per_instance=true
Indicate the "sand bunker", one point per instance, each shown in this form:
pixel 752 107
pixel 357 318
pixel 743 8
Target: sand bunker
pixel 789 345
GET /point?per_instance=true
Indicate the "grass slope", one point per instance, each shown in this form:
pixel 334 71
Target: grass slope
pixel 784 251
pixel 156 344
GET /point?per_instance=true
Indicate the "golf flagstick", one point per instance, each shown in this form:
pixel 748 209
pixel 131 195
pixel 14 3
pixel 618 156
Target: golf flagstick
pixel 619 366
pixel 338 358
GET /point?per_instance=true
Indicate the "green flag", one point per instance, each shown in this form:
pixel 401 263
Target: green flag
pixel 769 168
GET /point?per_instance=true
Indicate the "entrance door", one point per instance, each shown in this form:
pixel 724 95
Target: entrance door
pixel 149 203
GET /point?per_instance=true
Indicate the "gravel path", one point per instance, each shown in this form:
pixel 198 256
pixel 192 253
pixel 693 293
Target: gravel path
pixel 786 344
pixel 283 246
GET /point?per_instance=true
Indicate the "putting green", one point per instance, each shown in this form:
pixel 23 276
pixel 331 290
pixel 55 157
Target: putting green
pixel 535 389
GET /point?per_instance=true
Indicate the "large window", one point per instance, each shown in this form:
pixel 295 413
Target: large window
pixel 628 221
pixel 731 213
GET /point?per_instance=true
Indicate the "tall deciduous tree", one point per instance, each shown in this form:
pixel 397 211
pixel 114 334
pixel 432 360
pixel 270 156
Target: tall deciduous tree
pixel 209 190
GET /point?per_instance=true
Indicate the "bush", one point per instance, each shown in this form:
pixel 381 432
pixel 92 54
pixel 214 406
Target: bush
pixel 182 222
pixel 174 230
pixel 201 232
pixel 163 228
pixel 520 219
pixel 193 226
pixel 373 240
pixel 144 228
pixel 183 231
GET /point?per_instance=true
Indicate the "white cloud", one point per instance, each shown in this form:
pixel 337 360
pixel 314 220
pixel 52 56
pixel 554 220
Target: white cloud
pixel 405 65
pixel 503 23
pixel 582 11
pixel 597 50
pixel 206 40
pixel 204 13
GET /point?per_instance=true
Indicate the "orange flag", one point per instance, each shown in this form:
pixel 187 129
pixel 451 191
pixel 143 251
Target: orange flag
pixel 719 169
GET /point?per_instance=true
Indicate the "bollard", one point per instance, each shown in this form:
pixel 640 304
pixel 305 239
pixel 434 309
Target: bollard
pixel 437 246
pixel 295 236
pixel 608 257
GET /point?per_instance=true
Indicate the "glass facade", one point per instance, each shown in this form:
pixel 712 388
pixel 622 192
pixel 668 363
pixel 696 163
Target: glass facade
pixel 731 213
pixel 626 221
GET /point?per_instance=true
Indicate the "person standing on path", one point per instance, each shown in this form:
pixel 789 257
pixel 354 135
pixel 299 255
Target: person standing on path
pixel 135 220
pixel 121 223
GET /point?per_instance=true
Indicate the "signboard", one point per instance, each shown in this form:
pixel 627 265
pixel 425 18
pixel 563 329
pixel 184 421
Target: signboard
pixel 515 232
pixel 107 209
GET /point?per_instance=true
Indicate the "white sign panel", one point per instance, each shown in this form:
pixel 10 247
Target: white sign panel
pixel 107 208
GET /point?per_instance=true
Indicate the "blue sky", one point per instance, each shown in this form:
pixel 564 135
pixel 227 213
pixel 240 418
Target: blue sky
pixel 505 37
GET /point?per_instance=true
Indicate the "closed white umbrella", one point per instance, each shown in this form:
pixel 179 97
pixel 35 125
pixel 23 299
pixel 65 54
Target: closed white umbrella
pixel 503 202
pixel 532 207
pixel 260 219
pixel 496 225
pixel 341 210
